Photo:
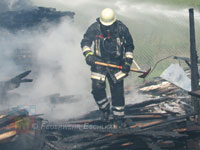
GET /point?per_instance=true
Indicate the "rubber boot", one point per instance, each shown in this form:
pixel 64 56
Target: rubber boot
pixel 105 114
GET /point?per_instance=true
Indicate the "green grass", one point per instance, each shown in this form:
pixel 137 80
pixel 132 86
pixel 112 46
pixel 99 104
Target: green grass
pixel 176 3
pixel 194 3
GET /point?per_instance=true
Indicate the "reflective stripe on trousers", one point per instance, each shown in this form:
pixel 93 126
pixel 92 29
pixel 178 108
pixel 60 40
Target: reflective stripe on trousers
pixel 118 110
pixel 103 103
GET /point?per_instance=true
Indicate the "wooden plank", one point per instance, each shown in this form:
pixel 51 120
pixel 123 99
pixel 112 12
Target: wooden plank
pixel 143 125
pixel 7 135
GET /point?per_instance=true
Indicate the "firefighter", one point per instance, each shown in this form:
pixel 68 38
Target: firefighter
pixel 113 44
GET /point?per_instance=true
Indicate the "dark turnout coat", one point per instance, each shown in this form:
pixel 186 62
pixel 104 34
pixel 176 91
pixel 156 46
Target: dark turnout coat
pixel 108 46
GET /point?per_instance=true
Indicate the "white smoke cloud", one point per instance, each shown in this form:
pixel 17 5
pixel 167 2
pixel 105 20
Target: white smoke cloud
pixel 73 4
pixel 59 65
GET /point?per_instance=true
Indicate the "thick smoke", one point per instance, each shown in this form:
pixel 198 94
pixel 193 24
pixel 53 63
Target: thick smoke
pixel 59 64
pixel 58 67
pixel 15 5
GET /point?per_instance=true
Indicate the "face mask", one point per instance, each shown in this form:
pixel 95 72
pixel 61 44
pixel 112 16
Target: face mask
pixel 107 29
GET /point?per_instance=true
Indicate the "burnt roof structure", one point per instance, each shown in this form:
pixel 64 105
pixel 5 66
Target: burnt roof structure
pixel 16 20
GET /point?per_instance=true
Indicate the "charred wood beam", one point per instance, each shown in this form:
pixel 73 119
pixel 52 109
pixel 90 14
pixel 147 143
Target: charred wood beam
pixel 13 83
pixel 168 122
pixel 146 116
pixel 118 142
pixel 138 128
pixel 16 81
pixel 149 126
pixel 101 144
pixel 138 110
pixel 149 102
pixel 162 134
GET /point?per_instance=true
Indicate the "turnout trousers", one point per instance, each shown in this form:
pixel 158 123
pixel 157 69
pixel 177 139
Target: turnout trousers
pixel 117 96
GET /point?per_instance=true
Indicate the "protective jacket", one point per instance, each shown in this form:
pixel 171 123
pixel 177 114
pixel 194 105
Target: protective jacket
pixel 111 45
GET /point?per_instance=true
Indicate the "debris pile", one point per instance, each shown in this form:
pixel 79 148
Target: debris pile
pixel 18 129
pixel 17 132
pixel 170 98
pixel 162 122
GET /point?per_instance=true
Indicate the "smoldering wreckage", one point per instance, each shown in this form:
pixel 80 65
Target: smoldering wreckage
pixel 166 120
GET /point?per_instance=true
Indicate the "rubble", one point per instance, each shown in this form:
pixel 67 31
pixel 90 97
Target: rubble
pixel 159 123
pixel 164 121
pixel 16 130
pixel 16 125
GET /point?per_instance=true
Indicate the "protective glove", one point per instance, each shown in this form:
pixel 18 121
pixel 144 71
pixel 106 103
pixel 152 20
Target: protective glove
pixel 127 65
pixel 90 59
pixel 126 68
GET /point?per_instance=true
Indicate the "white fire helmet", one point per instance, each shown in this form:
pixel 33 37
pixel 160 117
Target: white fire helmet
pixel 107 17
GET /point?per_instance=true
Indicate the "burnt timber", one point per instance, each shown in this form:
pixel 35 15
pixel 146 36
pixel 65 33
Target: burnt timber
pixel 22 19
pixel 164 121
